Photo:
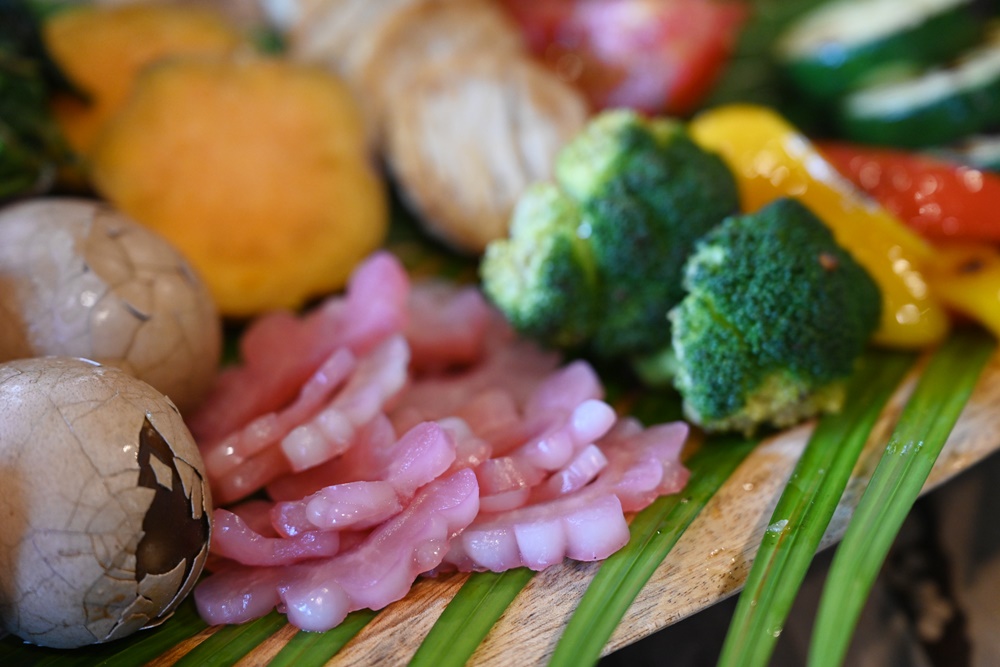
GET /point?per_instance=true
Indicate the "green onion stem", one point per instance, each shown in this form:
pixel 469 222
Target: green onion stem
pixel 314 649
pixel 924 426
pixel 467 619
pixel 230 643
pixel 805 508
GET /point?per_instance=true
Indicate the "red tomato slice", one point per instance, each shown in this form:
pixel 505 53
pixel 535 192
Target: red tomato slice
pixel 652 55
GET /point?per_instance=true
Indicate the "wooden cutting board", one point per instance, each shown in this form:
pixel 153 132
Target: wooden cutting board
pixel 709 563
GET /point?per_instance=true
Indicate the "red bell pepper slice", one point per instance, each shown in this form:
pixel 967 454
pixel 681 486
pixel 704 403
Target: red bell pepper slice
pixel 939 199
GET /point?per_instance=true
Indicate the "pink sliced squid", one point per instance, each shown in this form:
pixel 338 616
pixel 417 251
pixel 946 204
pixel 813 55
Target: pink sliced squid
pixel 280 350
pixel 563 435
pixel 423 454
pixel 367 457
pixel 447 325
pixel 327 433
pixel 585 524
pixel 405 429
pixel 232 538
pixel 378 377
pixel 223 456
pixel 317 595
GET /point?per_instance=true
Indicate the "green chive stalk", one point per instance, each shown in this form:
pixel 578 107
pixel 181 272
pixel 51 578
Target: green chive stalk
pixel 467 619
pixel 924 426
pixel 805 509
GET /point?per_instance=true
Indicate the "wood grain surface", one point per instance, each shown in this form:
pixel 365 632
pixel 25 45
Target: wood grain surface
pixel 709 563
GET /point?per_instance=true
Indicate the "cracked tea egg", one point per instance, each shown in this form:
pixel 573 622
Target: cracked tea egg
pixel 80 279
pixel 105 506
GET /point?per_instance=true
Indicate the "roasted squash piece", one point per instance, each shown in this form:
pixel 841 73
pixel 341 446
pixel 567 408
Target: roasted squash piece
pixel 255 168
pixel 101 49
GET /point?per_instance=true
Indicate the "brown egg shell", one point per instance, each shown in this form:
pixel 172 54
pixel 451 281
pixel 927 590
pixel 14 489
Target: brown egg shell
pixel 105 505
pixel 78 278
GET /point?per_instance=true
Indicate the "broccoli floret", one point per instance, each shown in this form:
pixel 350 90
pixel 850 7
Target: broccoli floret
pixel 775 316
pixel 631 196
pixel 543 277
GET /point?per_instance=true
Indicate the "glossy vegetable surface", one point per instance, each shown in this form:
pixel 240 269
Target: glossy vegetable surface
pixel 806 506
pixel 770 159
pixel 844 45
pixel 937 198
pixel 967 279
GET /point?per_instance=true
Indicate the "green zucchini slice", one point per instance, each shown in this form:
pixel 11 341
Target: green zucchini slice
pixel 981 151
pixel 939 106
pixel 847 44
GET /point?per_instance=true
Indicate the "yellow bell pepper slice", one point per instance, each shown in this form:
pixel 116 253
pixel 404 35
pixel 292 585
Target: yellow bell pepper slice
pixel 770 159
pixel 966 278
